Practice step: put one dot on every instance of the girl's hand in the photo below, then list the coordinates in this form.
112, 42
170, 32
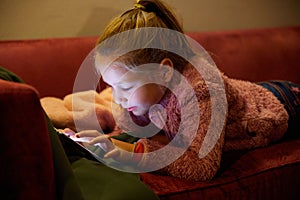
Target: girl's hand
87, 136
116, 149
68, 132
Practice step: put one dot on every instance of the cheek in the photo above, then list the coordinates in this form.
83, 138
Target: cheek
147, 94
137, 97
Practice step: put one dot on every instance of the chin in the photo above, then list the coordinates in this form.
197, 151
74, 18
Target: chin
138, 112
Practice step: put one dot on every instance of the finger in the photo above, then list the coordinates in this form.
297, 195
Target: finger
88, 133
68, 132
112, 154
100, 139
104, 142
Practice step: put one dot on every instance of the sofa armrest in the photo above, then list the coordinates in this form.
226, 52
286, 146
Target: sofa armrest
26, 160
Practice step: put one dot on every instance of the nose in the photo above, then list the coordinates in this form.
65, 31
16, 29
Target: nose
119, 97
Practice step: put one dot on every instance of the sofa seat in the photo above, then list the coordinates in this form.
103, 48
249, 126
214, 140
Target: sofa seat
264, 173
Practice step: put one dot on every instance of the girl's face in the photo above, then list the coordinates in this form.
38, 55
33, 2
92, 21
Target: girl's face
133, 90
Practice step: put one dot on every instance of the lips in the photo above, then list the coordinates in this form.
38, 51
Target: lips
131, 108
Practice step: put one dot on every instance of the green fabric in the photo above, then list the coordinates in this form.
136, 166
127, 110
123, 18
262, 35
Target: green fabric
125, 137
81, 178
67, 187
9, 76
101, 182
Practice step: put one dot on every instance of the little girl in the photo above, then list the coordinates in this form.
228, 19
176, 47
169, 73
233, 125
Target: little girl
165, 93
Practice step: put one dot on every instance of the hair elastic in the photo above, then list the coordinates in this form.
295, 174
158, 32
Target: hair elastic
139, 6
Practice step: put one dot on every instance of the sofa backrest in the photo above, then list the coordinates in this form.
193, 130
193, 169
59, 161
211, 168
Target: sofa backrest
50, 65
255, 55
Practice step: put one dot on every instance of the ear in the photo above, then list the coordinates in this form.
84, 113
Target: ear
167, 68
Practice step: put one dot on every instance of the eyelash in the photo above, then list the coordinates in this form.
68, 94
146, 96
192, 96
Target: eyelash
126, 89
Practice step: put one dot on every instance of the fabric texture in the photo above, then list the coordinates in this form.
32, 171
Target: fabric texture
288, 94
255, 118
101, 182
41, 61
26, 168
45, 158
243, 175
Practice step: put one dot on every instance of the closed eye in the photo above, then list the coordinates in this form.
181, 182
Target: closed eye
126, 88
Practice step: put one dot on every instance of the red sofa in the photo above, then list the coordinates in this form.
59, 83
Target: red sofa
49, 67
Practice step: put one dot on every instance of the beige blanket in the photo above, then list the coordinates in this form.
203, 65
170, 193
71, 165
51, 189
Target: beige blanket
81, 111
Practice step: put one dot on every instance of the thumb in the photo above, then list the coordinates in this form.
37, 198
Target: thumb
112, 154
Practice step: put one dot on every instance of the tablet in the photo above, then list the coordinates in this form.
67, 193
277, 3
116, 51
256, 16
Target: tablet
78, 147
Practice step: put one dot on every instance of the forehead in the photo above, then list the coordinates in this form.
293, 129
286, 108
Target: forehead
117, 71
115, 74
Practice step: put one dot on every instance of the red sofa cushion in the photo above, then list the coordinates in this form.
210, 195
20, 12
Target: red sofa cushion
265, 173
26, 166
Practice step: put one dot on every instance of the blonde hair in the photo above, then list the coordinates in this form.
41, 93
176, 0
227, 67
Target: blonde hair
148, 13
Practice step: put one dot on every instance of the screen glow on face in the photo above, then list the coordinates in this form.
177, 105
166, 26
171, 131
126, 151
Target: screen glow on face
133, 90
